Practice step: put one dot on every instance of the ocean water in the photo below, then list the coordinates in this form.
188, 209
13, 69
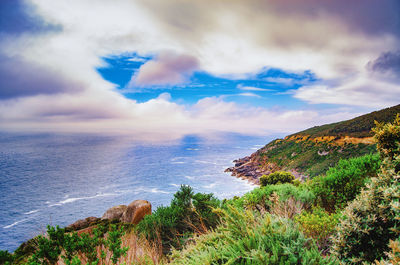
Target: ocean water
57, 179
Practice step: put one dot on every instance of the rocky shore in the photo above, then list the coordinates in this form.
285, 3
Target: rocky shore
252, 167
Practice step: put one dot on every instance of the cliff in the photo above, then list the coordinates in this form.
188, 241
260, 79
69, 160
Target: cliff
311, 152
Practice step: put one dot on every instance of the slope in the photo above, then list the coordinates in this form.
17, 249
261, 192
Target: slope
311, 152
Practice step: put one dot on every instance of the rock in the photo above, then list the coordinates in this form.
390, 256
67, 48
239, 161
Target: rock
114, 212
135, 211
83, 223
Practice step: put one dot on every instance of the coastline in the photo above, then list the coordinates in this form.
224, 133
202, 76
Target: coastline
253, 167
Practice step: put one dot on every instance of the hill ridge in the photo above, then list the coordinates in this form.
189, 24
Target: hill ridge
311, 152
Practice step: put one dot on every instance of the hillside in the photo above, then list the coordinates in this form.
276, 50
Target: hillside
311, 152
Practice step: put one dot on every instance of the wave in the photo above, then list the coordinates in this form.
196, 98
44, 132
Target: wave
205, 162
150, 190
71, 200
31, 212
177, 158
15, 223
155, 190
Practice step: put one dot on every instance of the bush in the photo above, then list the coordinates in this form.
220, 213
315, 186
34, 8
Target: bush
260, 198
6, 257
73, 248
247, 238
278, 177
344, 181
188, 213
372, 219
319, 225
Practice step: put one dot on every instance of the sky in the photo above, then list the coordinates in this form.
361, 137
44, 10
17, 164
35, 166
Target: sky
166, 69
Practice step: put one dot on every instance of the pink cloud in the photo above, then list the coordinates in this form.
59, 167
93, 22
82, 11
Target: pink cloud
167, 69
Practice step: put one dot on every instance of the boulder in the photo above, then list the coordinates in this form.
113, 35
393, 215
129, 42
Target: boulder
114, 212
83, 223
135, 211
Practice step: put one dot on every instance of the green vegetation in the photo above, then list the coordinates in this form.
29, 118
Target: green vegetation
272, 196
248, 238
310, 158
311, 152
343, 182
358, 127
372, 219
278, 177
174, 224
6, 257
73, 248
319, 225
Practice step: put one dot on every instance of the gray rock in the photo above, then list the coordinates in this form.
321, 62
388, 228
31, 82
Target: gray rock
83, 223
114, 212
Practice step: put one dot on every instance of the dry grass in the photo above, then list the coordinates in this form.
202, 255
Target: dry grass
140, 252
286, 209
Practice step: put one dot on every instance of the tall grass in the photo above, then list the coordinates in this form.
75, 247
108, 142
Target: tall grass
245, 237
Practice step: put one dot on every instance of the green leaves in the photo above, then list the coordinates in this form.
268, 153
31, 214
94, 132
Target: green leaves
247, 238
187, 214
73, 248
371, 220
279, 177
343, 182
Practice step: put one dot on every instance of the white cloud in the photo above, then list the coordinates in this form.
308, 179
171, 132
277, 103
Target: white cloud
358, 91
252, 88
249, 94
220, 38
152, 120
167, 69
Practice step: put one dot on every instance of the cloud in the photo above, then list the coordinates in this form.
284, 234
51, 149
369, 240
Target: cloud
155, 119
249, 94
251, 88
67, 94
360, 91
168, 69
386, 63
16, 17
19, 78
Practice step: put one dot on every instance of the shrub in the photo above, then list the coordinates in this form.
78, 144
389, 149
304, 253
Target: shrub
319, 225
263, 198
371, 220
6, 257
278, 177
73, 248
364, 233
247, 238
344, 181
188, 213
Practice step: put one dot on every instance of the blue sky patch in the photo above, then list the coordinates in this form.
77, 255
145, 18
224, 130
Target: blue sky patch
267, 88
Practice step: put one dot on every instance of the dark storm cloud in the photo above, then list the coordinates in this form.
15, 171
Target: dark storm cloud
386, 62
17, 17
369, 16
19, 78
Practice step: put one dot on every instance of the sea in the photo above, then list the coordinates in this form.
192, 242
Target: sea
56, 179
